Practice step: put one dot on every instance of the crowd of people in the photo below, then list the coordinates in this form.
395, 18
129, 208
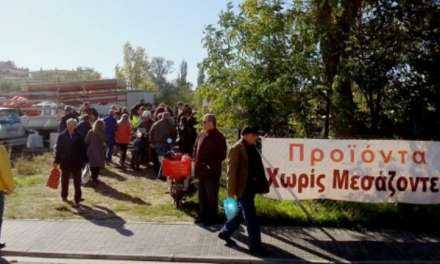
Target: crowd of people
89, 139
153, 131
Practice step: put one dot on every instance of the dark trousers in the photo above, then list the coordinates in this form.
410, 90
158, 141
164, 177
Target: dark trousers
246, 206
156, 163
2, 209
66, 174
123, 150
95, 173
208, 197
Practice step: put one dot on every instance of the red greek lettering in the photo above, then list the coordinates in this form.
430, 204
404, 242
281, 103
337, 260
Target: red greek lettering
273, 177
312, 178
380, 183
352, 153
354, 184
386, 158
292, 152
314, 158
303, 182
414, 183
424, 181
402, 155
340, 181
288, 181
319, 179
402, 184
434, 185
367, 182
390, 182
337, 155
370, 154
419, 157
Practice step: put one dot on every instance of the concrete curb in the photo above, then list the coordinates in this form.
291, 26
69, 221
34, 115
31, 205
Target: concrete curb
80, 220
194, 259
158, 258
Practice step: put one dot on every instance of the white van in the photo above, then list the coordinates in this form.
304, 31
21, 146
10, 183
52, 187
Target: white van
12, 131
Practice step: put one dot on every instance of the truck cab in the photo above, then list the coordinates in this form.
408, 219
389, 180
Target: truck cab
12, 131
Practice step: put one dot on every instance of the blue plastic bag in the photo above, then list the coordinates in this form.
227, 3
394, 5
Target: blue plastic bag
231, 207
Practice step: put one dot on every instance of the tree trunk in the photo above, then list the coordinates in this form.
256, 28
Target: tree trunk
327, 115
333, 37
324, 16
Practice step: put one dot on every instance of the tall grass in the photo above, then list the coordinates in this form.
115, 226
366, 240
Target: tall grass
26, 165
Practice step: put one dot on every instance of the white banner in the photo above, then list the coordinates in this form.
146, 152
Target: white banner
372, 171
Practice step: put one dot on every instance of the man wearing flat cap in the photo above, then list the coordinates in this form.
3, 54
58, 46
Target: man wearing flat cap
246, 178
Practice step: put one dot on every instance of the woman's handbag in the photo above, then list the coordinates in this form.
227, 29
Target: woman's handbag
54, 178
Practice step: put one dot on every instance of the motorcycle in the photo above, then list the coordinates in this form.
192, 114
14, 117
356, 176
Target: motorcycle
177, 168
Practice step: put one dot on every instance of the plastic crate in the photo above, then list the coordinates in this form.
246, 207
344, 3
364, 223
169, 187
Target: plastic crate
177, 169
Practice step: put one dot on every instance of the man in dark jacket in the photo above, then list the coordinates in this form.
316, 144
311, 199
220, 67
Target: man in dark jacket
186, 131
162, 136
209, 153
246, 178
69, 113
70, 155
163, 130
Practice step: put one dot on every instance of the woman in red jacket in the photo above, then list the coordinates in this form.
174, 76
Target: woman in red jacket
123, 137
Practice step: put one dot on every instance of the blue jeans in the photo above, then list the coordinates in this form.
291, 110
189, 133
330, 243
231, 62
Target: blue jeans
2, 209
109, 153
246, 207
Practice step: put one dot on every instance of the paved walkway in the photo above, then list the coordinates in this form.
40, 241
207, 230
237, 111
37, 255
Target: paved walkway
98, 239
